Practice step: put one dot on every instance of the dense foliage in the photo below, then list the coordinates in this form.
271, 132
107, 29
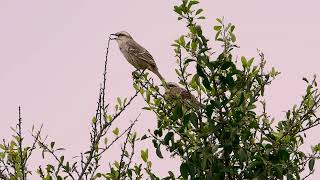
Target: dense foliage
232, 137
228, 135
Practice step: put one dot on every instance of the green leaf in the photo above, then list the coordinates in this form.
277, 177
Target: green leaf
219, 20
192, 2
2, 147
217, 35
195, 81
193, 29
284, 154
206, 83
250, 62
233, 37
311, 164
200, 71
199, 30
184, 168
178, 113
144, 137
229, 80
116, 131
194, 120
171, 174
241, 99
178, 10
226, 65
217, 28
242, 155
199, 11
201, 17
155, 143
158, 132
158, 152
188, 60
216, 104
182, 41
148, 96
109, 118
147, 108
244, 61
119, 101
194, 45
52, 144
98, 175
305, 79
168, 137
274, 72
316, 148
228, 26
94, 120
116, 164
232, 28
61, 159
144, 155
209, 110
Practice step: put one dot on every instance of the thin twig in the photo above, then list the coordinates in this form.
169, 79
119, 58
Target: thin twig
95, 138
118, 137
184, 78
104, 125
5, 167
46, 148
131, 155
125, 146
20, 148
105, 73
33, 147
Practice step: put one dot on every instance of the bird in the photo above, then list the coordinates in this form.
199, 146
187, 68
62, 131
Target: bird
135, 54
176, 94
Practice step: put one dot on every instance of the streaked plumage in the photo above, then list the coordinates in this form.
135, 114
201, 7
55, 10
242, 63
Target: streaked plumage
135, 54
176, 94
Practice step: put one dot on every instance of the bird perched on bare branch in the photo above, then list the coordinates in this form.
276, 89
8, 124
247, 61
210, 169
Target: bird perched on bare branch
176, 94
135, 54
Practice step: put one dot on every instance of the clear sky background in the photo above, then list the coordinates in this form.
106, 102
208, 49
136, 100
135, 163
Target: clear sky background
52, 56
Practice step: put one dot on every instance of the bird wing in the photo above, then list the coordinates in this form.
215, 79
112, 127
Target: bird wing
139, 52
190, 100
186, 95
180, 93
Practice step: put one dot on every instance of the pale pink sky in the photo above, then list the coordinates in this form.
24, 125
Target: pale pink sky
52, 55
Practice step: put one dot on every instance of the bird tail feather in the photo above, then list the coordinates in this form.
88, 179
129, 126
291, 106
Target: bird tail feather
160, 77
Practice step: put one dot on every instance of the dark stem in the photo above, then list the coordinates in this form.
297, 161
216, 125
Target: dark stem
46, 148
124, 147
22, 164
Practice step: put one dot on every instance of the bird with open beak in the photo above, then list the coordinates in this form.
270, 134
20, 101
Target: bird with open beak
135, 54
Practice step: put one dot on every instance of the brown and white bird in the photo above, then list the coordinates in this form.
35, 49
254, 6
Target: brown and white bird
135, 54
176, 94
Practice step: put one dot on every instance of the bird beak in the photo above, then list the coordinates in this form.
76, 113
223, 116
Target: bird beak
113, 38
